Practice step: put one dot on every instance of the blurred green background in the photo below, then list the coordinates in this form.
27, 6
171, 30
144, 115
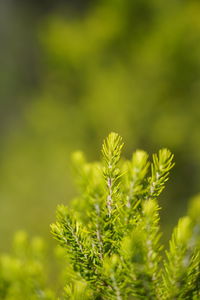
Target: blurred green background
71, 72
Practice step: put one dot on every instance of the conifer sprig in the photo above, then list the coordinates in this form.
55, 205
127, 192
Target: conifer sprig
111, 150
72, 236
181, 272
137, 171
162, 164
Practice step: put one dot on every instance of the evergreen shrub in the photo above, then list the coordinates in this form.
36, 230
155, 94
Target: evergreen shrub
111, 237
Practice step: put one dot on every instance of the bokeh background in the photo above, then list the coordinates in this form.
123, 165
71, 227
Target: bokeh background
71, 72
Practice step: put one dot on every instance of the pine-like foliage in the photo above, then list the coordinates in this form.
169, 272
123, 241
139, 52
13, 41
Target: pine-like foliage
23, 272
111, 232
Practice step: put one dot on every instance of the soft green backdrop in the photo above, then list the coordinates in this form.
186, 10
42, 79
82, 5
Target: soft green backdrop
70, 75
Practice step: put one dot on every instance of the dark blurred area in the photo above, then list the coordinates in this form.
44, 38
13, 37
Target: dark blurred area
71, 72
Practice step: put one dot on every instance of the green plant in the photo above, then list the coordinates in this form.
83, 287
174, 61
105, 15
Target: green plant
110, 238
23, 272
111, 233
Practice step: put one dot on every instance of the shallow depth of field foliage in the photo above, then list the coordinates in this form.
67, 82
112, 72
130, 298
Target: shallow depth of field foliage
70, 76
110, 237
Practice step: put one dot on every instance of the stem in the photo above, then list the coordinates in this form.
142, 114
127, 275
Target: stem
109, 198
